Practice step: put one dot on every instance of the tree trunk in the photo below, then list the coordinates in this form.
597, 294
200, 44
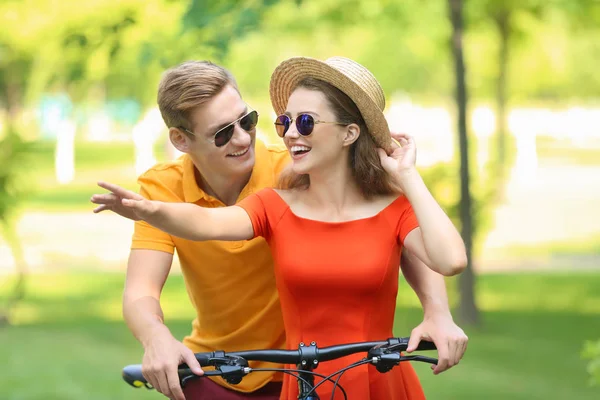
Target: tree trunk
468, 312
502, 21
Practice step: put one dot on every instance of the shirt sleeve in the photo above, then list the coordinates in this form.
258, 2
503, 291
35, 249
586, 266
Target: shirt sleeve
408, 220
145, 236
257, 211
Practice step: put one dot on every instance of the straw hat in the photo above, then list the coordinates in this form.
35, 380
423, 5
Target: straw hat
350, 77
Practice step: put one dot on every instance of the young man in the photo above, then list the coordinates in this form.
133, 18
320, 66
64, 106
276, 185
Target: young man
231, 284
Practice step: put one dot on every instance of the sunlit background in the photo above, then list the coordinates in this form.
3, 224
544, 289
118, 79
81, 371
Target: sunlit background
78, 84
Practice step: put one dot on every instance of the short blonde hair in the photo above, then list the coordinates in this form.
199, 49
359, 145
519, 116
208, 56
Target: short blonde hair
186, 87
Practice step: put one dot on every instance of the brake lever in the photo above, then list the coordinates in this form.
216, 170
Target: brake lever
384, 359
230, 368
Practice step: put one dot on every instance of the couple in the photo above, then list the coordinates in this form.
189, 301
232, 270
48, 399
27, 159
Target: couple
349, 202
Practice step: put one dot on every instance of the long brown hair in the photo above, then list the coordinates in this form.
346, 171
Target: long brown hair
364, 161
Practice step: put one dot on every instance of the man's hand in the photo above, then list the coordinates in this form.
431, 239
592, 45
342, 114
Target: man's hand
449, 339
162, 355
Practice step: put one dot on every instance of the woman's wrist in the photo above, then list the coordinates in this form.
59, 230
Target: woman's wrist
408, 179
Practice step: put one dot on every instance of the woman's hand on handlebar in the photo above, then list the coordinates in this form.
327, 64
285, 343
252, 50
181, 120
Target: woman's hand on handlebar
450, 340
162, 356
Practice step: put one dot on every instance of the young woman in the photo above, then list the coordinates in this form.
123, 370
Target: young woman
350, 201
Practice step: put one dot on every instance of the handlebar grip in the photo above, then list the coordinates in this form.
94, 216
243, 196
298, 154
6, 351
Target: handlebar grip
132, 374
426, 345
202, 360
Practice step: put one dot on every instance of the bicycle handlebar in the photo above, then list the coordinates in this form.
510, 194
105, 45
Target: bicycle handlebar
306, 354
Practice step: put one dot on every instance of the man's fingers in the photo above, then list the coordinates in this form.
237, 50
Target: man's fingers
192, 362
154, 381
175, 390
163, 385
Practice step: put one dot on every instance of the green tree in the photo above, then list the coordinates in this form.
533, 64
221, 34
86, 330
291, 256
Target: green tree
468, 311
117, 49
502, 15
14, 153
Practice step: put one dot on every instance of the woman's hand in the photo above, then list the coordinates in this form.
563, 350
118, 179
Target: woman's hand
124, 202
400, 163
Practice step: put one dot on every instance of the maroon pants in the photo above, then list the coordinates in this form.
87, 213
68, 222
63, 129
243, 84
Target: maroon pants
205, 389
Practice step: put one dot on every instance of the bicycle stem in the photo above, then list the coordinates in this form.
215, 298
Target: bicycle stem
308, 361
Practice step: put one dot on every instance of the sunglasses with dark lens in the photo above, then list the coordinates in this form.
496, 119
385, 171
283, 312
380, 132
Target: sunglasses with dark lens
305, 123
223, 136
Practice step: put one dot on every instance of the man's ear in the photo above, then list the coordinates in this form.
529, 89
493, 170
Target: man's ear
352, 134
180, 140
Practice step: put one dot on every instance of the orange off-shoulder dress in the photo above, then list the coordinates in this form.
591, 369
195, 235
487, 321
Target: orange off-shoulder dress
337, 284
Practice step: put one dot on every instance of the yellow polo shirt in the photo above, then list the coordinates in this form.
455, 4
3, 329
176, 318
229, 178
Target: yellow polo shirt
230, 284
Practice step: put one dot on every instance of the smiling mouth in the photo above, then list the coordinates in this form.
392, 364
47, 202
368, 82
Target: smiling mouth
299, 150
239, 153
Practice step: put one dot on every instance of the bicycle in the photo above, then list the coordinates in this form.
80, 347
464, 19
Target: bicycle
233, 366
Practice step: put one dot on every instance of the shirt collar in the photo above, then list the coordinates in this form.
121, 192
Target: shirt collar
262, 176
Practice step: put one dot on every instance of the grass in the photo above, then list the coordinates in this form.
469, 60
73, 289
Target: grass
112, 162
69, 342
573, 247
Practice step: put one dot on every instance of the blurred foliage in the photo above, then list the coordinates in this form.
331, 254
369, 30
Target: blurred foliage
110, 49
119, 49
14, 153
443, 182
405, 44
97, 51
591, 351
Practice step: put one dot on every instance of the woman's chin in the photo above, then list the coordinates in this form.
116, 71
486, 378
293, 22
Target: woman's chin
300, 168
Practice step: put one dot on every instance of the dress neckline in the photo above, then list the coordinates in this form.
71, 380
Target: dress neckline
358, 220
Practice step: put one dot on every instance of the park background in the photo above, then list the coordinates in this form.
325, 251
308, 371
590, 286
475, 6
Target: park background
504, 93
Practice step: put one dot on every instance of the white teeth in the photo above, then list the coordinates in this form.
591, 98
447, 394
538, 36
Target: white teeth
240, 153
299, 148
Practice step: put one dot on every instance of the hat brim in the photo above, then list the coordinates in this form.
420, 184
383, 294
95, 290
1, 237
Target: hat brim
292, 71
